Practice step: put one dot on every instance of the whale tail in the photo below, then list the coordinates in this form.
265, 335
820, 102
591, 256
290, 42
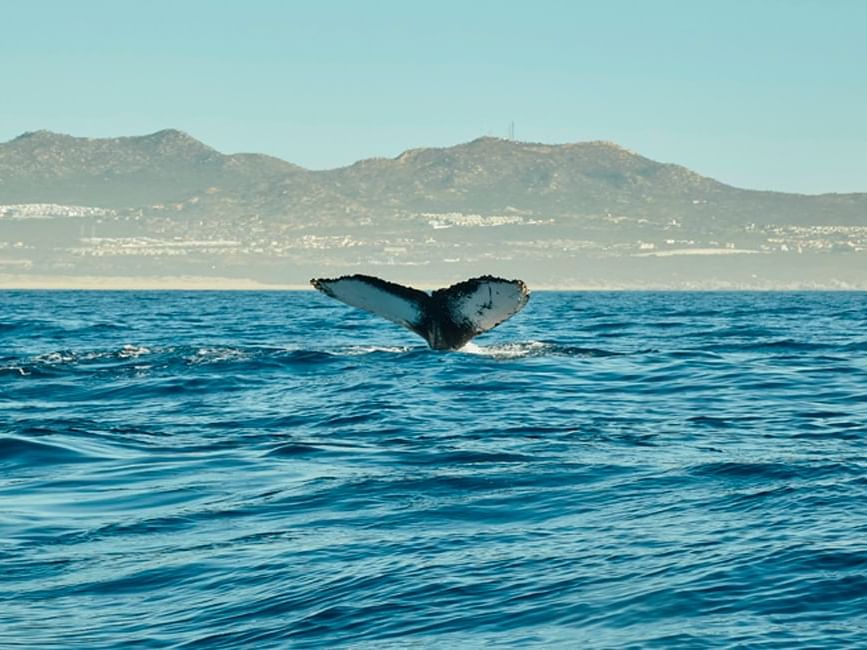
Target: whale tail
447, 319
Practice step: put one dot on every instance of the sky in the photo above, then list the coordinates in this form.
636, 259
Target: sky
762, 94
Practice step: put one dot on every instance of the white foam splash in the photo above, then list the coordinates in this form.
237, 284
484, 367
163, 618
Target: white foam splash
507, 350
21, 371
129, 351
53, 358
367, 349
216, 355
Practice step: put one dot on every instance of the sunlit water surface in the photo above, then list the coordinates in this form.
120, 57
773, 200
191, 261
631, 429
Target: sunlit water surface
277, 470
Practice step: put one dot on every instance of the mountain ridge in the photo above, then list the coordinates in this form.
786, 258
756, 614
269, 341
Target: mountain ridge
178, 135
486, 175
575, 214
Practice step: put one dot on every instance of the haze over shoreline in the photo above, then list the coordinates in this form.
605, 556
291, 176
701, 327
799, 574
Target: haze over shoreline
134, 211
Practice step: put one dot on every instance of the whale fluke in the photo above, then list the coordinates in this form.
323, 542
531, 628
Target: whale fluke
447, 318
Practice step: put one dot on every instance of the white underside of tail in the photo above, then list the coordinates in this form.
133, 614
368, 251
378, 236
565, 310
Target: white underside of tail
375, 299
491, 302
447, 319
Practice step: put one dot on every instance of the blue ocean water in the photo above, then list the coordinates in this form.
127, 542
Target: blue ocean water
260, 469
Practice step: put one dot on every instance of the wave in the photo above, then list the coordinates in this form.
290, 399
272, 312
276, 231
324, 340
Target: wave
150, 357
21, 451
248, 473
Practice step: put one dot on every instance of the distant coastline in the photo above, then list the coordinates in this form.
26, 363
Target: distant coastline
201, 283
165, 210
119, 283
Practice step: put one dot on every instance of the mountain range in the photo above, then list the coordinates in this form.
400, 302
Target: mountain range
561, 205
487, 175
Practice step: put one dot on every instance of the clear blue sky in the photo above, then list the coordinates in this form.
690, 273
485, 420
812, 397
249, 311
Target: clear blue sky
766, 94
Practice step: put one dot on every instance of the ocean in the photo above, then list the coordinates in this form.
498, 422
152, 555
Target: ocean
278, 470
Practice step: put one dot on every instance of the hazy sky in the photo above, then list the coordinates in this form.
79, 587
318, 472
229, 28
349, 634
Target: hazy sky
766, 94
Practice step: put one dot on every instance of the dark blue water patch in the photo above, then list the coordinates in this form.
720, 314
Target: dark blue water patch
271, 469
316, 452
23, 453
767, 473
465, 457
616, 326
577, 351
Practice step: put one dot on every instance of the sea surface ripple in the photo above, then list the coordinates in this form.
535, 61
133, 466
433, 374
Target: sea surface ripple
274, 469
